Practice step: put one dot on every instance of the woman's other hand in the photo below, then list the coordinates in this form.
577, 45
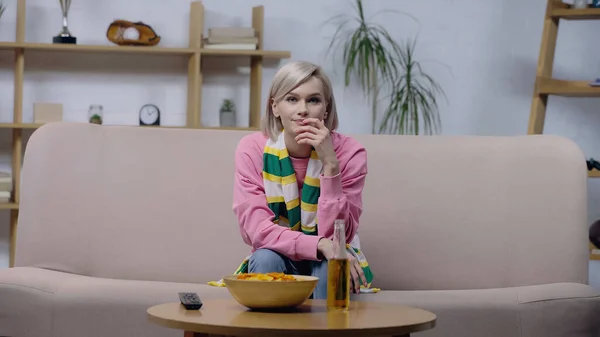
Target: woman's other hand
325, 248
356, 274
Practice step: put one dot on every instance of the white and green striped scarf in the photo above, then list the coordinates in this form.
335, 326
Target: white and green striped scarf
281, 188
299, 214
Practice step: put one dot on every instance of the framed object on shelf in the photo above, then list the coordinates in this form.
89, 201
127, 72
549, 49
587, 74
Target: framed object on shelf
47, 112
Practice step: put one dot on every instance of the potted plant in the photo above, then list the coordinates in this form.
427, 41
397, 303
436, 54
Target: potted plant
227, 113
386, 68
95, 114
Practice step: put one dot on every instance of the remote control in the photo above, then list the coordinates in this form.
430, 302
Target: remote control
191, 301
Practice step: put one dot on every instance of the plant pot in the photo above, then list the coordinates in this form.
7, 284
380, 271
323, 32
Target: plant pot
227, 119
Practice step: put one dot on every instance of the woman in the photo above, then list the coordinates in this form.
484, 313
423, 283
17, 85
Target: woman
294, 179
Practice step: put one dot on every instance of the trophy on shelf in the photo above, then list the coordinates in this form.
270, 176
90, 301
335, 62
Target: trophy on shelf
65, 35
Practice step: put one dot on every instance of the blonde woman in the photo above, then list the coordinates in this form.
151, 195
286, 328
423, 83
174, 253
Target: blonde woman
294, 179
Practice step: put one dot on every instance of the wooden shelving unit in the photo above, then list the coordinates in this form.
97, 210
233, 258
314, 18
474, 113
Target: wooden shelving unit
194, 52
545, 84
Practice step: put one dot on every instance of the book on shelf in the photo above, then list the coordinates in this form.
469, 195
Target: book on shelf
232, 39
6, 182
231, 32
240, 38
4, 197
6, 186
238, 46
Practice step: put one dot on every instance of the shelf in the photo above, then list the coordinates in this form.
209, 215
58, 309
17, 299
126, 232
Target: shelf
19, 126
595, 257
7, 46
78, 48
230, 129
108, 49
35, 126
235, 52
197, 128
576, 14
594, 174
550, 86
9, 206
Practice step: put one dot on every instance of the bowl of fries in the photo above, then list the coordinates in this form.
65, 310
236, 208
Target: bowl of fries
270, 290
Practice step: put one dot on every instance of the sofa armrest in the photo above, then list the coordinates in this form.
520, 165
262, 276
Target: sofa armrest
43, 302
563, 309
27, 296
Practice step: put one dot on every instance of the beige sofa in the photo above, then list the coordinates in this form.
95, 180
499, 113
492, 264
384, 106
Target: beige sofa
489, 233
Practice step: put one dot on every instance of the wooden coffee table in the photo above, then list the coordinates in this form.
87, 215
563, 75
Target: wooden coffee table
226, 317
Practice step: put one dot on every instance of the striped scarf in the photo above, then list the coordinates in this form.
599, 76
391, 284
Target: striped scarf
290, 210
281, 188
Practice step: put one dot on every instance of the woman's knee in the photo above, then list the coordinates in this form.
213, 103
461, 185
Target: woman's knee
319, 269
266, 261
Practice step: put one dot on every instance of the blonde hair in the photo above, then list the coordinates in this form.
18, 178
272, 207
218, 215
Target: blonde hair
288, 78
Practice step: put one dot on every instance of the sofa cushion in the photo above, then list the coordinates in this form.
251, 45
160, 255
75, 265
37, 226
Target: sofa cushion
64, 304
550, 310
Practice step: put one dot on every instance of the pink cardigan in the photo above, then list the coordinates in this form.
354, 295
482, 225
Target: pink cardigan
341, 197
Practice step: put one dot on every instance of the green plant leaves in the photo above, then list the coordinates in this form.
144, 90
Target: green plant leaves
227, 105
2, 8
365, 48
379, 64
413, 100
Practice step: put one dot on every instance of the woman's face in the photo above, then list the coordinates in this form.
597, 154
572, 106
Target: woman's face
306, 101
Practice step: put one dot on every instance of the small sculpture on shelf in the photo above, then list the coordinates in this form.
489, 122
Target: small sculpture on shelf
227, 114
580, 4
65, 35
128, 33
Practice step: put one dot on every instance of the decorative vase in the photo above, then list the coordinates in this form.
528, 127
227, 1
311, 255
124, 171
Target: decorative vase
95, 114
227, 114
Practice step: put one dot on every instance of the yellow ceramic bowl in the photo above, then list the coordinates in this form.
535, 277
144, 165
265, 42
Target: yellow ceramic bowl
256, 294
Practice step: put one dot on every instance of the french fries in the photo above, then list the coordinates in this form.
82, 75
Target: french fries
266, 277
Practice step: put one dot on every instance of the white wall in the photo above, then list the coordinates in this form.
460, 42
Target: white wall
490, 47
